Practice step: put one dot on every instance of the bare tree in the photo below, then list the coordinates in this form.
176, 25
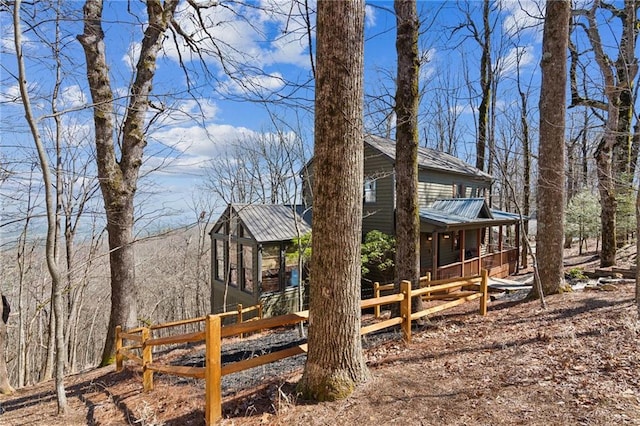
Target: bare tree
615, 154
406, 167
551, 178
335, 361
52, 228
482, 36
119, 176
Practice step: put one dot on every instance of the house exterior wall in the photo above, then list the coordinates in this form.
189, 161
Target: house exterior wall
434, 185
379, 215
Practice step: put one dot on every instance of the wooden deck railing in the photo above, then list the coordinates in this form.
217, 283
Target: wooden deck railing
460, 290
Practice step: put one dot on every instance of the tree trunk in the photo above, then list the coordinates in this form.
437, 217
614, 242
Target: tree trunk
5, 387
335, 361
485, 85
407, 96
52, 223
608, 202
638, 251
551, 190
119, 177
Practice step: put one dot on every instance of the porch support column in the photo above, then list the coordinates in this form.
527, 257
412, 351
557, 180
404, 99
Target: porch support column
478, 248
500, 245
461, 243
517, 225
435, 243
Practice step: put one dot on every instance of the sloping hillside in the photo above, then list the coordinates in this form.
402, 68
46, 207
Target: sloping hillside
574, 363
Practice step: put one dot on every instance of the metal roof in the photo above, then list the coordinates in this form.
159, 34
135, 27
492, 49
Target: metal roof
428, 158
461, 212
267, 222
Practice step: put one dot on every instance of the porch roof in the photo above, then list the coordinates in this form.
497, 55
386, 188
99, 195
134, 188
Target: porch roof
459, 213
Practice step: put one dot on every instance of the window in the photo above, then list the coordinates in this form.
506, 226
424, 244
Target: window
247, 267
369, 190
270, 268
458, 190
219, 265
233, 264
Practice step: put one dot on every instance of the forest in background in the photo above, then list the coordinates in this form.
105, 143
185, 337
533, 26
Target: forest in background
468, 114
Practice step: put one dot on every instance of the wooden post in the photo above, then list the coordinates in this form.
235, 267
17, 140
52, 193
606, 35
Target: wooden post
484, 288
479, 249
435, 246
147, 373
119, 357
426, 278
376, 294
212, 374
405, 310
239, 317
500, 247
462, 243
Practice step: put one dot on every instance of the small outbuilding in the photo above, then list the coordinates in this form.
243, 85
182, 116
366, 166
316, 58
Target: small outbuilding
253, 259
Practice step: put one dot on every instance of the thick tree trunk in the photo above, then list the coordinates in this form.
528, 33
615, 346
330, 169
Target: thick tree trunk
551, 189
335, 361
608, 203
119, 177
407, 96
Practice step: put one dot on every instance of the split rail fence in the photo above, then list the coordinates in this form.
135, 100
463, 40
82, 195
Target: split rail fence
452, 291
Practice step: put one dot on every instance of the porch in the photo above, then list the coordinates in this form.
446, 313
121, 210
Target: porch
460, 237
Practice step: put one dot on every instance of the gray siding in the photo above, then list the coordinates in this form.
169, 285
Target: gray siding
379, 215
435, 185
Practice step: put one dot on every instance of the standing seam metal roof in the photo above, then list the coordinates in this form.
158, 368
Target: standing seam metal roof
429, 158
465, 211
270, 222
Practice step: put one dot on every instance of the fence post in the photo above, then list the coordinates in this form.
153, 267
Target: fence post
239, 317
147, 373
405, 310
212, 374
427, 280
119, 357
376, 294
484, 288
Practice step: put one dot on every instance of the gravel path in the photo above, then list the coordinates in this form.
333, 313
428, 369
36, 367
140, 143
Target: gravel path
262, 344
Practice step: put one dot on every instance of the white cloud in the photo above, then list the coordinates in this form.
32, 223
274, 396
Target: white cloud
370, 16
259, 84
201, 141
10, 94
523, 16
130, 58
509, 62
273, 33
7, 40
73, 97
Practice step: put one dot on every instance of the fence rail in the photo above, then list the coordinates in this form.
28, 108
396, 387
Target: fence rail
459, 290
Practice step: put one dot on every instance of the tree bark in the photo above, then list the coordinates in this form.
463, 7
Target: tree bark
614, 155
5, 386
551, 163
335, 361
119, 177
406, 108
485, 85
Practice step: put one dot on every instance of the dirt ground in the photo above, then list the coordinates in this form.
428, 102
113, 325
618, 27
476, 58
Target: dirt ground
574, 363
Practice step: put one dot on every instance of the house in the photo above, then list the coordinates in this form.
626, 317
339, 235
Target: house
459, 233
249, 262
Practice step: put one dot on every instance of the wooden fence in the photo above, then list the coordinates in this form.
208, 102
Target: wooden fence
453, 292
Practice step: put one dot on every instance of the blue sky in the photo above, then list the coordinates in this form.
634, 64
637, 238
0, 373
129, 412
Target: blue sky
265, 46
